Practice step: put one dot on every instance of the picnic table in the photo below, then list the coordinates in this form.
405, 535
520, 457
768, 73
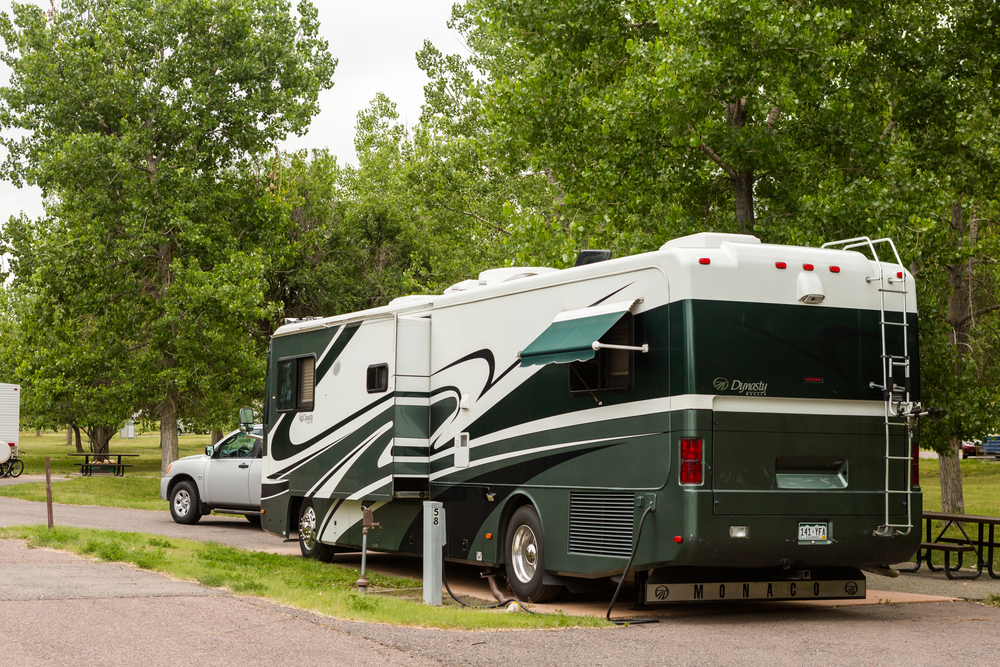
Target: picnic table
103, 461
959, 545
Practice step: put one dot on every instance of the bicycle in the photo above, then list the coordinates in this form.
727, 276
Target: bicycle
13, 467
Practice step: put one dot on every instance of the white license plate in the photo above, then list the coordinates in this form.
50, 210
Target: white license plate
812, 531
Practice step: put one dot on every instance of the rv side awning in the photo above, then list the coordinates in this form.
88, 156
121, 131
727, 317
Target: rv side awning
572, 334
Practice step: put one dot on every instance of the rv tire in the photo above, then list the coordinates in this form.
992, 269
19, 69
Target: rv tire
253, 518
308, 526
185, 505
524, 557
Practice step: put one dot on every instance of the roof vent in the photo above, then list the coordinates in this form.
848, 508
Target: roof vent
592, 257
497, 276
709, 240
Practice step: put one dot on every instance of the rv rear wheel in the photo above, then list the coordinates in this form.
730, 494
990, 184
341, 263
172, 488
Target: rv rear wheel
309, 545
524, 556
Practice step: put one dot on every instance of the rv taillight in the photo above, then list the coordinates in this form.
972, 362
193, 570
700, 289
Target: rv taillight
807, 267
899, 274
691, 460
834, 269
704, 260
915, 464
780, 265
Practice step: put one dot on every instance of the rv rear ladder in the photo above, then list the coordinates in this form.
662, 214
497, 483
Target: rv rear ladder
897, 399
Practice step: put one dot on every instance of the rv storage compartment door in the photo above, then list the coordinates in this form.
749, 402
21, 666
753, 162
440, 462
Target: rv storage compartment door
410, 447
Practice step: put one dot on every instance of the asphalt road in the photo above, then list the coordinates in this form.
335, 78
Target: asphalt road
58, 609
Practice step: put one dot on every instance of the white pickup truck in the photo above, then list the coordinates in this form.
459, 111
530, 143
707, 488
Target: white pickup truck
226, 478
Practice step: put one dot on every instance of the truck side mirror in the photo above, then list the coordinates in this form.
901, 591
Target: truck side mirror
246, 419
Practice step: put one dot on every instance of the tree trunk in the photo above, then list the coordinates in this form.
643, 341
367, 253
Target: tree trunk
216, 435
38, 432
79, 443
959, 305
69, 436
952, 498
168, 432
99, 437
742, 180
743, 196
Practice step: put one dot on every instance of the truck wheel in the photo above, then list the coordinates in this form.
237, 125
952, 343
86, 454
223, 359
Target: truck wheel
308, 532
184, 503
524, 556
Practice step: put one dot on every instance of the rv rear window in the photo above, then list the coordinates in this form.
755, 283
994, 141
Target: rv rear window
296, 384
378, 378
610, 371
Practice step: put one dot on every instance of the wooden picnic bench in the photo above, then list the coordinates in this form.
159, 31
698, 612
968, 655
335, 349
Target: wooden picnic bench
959, 545
103, 463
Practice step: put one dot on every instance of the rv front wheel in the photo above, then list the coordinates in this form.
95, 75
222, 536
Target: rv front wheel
524, 557
309, 545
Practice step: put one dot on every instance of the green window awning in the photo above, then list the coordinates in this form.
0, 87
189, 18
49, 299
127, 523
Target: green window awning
572, 334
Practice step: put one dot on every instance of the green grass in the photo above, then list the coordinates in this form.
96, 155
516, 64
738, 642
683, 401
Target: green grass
35, 448
980, 485
141, 493
298, 582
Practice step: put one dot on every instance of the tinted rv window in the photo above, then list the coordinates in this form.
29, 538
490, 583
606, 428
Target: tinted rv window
286, 385
296, 384
378, 378
610, 371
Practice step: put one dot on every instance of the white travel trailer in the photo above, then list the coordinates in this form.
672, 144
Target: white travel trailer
751, 404
10, 420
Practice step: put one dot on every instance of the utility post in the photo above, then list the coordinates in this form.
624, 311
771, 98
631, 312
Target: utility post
366, 523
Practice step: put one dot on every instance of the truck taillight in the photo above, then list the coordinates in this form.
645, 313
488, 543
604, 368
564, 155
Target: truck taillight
915, 464
691, 460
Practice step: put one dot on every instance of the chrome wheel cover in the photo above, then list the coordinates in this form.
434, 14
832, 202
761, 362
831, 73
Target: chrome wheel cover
307, 528
524, 554
182, 503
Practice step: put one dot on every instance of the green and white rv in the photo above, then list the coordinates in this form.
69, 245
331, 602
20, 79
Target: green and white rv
735, 415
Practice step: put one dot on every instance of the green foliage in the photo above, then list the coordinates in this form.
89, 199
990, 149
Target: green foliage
147, 125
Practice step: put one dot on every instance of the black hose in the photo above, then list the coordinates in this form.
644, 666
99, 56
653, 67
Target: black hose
621, 582
454, 597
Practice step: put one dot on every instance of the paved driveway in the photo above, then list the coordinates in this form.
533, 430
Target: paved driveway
52, 605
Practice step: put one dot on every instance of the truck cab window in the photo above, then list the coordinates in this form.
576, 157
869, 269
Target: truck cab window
610, 371
239, 446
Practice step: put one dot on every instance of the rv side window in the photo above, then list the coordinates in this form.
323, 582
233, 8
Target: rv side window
610, 371
296, 384
378, 378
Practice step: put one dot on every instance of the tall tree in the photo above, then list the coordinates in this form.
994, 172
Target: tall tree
148, 123
674, 115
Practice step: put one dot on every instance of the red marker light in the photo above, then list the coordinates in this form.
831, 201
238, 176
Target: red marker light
780, 265
815, 380
807, 267
678, 539
704, 260
899, 274
834, 269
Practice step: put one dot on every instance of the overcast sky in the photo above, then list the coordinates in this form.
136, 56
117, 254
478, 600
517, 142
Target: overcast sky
375, 42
